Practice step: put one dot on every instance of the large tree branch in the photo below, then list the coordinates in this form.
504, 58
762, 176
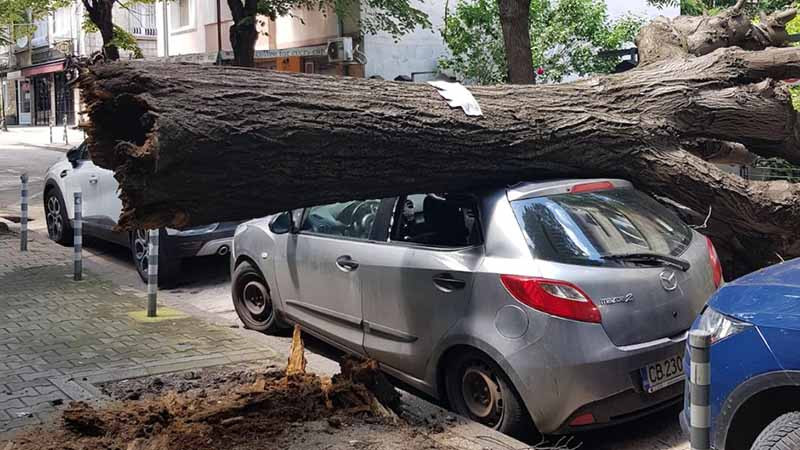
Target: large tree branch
197, 144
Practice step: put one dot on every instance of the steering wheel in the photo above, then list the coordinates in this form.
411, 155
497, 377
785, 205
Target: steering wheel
363, 216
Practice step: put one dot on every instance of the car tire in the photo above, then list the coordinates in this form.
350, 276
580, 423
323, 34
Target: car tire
168, 268
59, 228
477, 388
253, 301
782, 434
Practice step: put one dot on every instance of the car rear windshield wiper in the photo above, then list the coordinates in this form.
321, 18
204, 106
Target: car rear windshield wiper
678, 263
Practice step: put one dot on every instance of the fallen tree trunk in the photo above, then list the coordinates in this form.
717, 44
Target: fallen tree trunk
195, 144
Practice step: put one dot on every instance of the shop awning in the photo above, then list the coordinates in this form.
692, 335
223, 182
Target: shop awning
42, 69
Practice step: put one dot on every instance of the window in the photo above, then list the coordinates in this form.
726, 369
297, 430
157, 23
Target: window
353, 219
584, 228
39, 37
62, 26
438, 220
183, 14
142, 19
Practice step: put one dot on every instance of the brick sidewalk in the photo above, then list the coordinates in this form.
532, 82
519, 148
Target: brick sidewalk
58, 337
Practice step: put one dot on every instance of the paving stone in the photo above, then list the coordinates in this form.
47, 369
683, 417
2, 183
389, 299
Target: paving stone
53, 329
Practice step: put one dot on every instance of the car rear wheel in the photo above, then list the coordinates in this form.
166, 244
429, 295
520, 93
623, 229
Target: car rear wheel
477, 388
58, 226
782, 434
252, 300
167, 267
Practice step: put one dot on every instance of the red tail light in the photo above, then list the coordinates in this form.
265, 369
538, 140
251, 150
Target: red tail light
716, 266
558, 298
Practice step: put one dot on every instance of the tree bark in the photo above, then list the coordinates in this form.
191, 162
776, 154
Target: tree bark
195, 144
515, 23
243, 33
666, 38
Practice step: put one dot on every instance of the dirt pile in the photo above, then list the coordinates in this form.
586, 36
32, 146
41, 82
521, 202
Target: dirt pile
257, 411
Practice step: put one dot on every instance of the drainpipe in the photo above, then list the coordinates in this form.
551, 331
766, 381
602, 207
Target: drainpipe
219, 35
166, 29
340, 32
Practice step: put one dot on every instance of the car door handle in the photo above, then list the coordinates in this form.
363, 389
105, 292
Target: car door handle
346, 263
447, 283
93, 180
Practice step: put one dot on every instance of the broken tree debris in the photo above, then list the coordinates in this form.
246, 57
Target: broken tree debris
252, 410
194, 144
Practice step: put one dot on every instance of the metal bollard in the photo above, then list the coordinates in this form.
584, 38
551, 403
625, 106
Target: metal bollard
700, 389
66, 133
78, 237
23, 217
152, 273
50, 124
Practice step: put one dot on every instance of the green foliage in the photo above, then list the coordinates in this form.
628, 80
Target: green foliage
396, 17
566, 36
14, 19
122, 39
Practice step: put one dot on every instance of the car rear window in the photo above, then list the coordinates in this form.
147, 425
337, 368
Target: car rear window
583, 228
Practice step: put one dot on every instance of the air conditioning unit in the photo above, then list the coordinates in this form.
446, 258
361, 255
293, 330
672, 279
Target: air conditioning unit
340, 50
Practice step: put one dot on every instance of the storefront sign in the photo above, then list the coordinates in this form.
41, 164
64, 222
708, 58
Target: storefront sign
44, 68
15, 75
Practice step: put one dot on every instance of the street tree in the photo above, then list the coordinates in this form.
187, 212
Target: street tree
397, 17
567, 37
99, 19
193, 144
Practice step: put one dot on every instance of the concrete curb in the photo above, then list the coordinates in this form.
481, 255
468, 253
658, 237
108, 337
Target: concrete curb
458, 432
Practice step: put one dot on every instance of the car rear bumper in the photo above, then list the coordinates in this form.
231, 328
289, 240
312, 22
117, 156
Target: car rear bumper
593, 377
217, 242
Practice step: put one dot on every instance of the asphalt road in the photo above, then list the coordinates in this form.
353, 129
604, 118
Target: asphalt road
204, 290
16, 160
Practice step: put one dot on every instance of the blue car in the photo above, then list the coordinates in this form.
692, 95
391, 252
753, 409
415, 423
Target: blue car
755, 361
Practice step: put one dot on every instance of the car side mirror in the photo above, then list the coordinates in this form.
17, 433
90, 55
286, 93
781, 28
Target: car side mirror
73, 156
284, 223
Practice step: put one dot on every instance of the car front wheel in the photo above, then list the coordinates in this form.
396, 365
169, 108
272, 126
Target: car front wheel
478, 389
252, 300
58, 226
782, 434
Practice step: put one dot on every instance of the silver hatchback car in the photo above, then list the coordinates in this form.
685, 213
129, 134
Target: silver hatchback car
564, 303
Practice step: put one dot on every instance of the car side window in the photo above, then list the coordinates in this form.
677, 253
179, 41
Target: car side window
353, 219
437, 220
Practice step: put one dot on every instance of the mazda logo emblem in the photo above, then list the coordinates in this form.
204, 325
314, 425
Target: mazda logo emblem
668, 280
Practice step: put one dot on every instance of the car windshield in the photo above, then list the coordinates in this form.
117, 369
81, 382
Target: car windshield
587, 228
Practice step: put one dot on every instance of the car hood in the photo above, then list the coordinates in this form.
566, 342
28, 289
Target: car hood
61, 164
769, 297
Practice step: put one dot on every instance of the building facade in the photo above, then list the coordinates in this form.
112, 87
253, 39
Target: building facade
294, 43
33, 83
196, 30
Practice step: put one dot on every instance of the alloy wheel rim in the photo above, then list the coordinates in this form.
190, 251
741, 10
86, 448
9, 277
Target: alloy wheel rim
256, 299
140, 250
481, 394
55, 226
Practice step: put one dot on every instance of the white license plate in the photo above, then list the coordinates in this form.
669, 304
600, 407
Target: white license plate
661, 374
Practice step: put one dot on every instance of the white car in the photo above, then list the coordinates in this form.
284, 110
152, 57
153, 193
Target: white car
101, 209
